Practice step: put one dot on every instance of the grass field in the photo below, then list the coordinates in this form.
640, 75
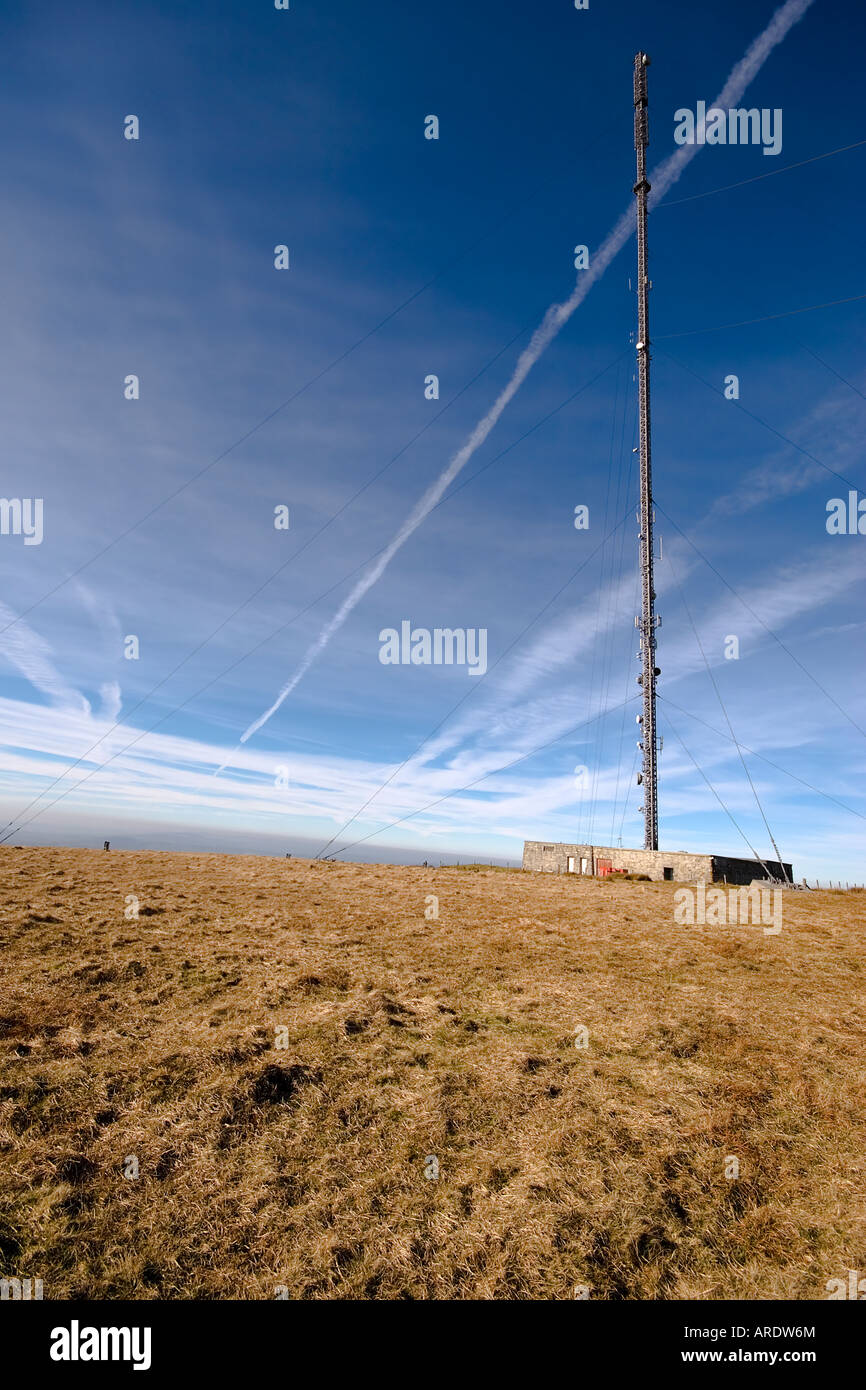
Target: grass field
281, 1049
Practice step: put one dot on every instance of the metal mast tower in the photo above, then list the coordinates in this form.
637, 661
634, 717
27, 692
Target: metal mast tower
647, 623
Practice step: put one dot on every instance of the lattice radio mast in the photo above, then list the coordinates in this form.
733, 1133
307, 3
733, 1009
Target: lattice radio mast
647, 623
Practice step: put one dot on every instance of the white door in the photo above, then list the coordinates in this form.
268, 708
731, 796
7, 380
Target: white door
571, 864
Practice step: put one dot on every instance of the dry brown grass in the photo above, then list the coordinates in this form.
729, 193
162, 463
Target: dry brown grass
304, 1167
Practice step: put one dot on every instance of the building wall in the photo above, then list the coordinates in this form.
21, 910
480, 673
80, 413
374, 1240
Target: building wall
745, 870
687, 868
542, 856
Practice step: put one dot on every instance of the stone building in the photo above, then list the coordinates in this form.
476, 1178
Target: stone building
541, 857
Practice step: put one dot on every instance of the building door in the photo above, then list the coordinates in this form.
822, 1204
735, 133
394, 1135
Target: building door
668, 873
571, 863
584, 866
603, 867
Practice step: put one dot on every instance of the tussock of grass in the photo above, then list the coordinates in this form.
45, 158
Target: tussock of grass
408, 1040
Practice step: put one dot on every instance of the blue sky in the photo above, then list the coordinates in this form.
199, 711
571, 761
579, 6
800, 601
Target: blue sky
156, 257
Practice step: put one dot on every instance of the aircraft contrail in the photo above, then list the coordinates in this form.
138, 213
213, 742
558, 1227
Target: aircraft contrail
662, 177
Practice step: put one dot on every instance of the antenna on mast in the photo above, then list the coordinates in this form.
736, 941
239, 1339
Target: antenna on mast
647, 623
